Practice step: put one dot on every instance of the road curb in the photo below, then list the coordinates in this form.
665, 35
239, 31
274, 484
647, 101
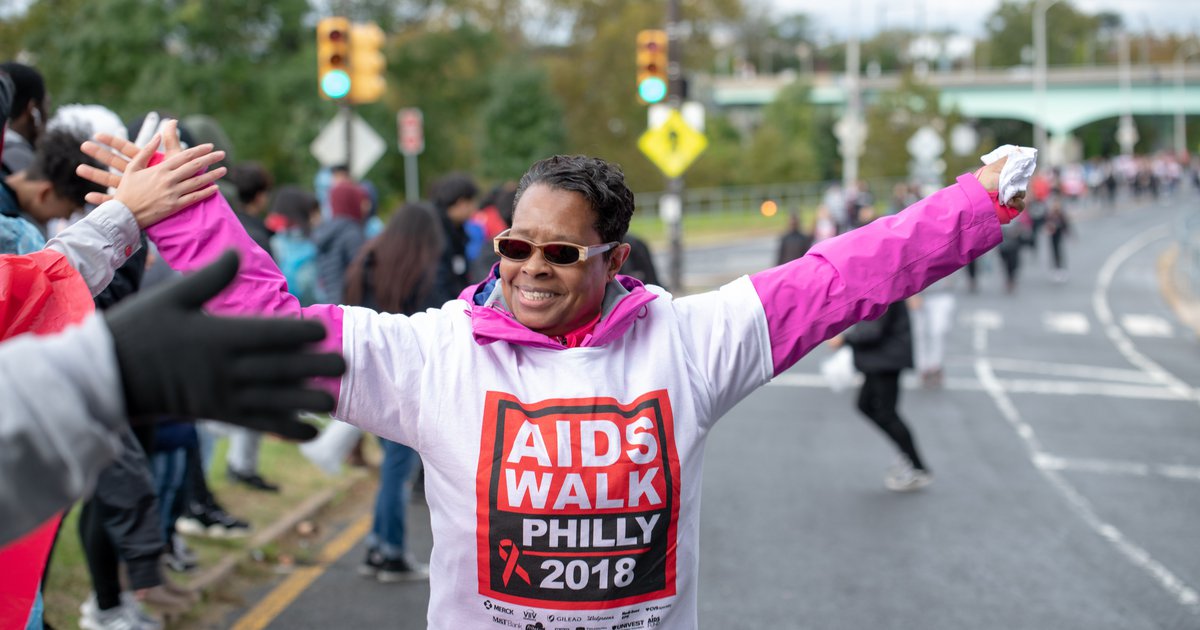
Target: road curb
1178, 296
209, 578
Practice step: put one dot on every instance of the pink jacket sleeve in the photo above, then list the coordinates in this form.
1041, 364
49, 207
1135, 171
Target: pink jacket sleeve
856, 276
196, 235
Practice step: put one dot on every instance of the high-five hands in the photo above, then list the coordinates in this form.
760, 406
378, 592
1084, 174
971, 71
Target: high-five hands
152, 193
176, 360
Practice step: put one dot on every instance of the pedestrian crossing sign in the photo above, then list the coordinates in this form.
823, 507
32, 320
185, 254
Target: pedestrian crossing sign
673, 145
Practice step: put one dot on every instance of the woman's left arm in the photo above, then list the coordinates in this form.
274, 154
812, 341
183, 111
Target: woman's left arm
856, 276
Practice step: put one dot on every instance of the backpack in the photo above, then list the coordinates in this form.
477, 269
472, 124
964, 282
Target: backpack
297, 259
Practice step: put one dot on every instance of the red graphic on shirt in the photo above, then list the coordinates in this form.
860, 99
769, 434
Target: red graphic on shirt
578, 501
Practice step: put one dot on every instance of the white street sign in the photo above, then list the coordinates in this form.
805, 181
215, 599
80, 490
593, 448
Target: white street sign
851, 133
329, 147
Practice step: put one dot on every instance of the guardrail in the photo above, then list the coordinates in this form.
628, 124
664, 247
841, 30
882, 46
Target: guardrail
748, 199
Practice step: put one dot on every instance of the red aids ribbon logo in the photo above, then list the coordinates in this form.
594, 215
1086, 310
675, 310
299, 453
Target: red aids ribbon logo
511, 561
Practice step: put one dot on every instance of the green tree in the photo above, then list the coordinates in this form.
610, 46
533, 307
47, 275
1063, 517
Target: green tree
782, 149
894, 118
522, 122
1072, 35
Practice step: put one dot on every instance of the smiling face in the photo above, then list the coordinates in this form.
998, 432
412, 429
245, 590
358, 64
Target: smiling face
552, 299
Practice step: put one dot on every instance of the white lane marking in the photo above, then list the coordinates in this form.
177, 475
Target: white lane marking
1139, 557
1072, 370
1080, 388
1021, 386
1104, 314
1147, 326
983, 317
1115, 467
1066, 323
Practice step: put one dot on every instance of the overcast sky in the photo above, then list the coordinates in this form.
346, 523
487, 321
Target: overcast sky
967, 16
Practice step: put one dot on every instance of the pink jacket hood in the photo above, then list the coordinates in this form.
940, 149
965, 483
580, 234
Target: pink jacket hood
624, 302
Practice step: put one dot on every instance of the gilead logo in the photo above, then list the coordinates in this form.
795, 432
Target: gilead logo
578, 501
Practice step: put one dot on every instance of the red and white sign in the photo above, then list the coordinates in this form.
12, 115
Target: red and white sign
411, 125
578, 501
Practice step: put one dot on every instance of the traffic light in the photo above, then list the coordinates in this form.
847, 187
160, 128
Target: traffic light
333, 57
368, 81
652, 66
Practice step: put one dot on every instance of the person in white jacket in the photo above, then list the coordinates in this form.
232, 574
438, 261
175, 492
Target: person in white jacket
66, 396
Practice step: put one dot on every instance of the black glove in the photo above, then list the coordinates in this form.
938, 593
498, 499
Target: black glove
176, 360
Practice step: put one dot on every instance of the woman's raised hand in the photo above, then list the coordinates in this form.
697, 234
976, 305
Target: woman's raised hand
989, 176
155, 192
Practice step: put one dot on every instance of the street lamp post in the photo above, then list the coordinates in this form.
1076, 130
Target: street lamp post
1039, 72
1187, 50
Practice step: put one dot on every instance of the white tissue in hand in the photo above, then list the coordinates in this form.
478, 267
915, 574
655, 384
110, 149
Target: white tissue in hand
1017, 171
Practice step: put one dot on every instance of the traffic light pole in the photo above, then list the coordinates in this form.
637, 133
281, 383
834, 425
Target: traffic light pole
675, 184
348, 116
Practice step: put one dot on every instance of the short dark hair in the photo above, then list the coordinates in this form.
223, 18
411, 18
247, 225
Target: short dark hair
250, 179
54, 159
450, 189
29, 86
601, 183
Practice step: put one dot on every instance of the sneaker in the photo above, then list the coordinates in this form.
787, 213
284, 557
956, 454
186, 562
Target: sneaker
390, 570
122, 617
252, 480
907, 479
177, 563
371, 564
180, 549
135, 609
402, 570
211, 521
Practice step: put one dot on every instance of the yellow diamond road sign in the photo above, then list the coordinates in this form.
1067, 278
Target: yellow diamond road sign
673, 145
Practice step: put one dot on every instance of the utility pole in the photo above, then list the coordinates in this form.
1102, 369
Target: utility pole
675, 184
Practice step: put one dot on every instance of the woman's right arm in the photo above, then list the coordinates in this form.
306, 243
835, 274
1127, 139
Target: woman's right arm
196, 235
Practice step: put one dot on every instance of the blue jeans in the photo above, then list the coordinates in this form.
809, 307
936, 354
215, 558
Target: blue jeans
391, 502
169, 469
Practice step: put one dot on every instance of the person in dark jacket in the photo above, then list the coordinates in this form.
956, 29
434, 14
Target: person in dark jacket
394, 273
882, 349
454, 198
640, 263
794, 243
339, 239
253, 184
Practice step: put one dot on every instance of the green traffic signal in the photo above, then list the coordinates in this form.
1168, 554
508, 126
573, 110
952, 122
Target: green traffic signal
652, 89
335, 84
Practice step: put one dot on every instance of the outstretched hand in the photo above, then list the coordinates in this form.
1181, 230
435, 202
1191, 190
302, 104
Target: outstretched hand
152, 193
989, 176
176, 360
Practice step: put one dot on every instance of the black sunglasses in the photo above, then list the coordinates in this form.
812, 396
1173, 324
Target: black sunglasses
561, 254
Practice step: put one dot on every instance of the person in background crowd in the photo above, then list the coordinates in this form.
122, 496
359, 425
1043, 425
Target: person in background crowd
1015, 237
640, 264
253, 185
882, 349
502, 209
339, 239
293, 214
27, 117
1057, 227
48, 188
824, 227
794, 243
932, 312
394, 273
454, 197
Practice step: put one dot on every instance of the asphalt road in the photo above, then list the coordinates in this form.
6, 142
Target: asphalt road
1066, 450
